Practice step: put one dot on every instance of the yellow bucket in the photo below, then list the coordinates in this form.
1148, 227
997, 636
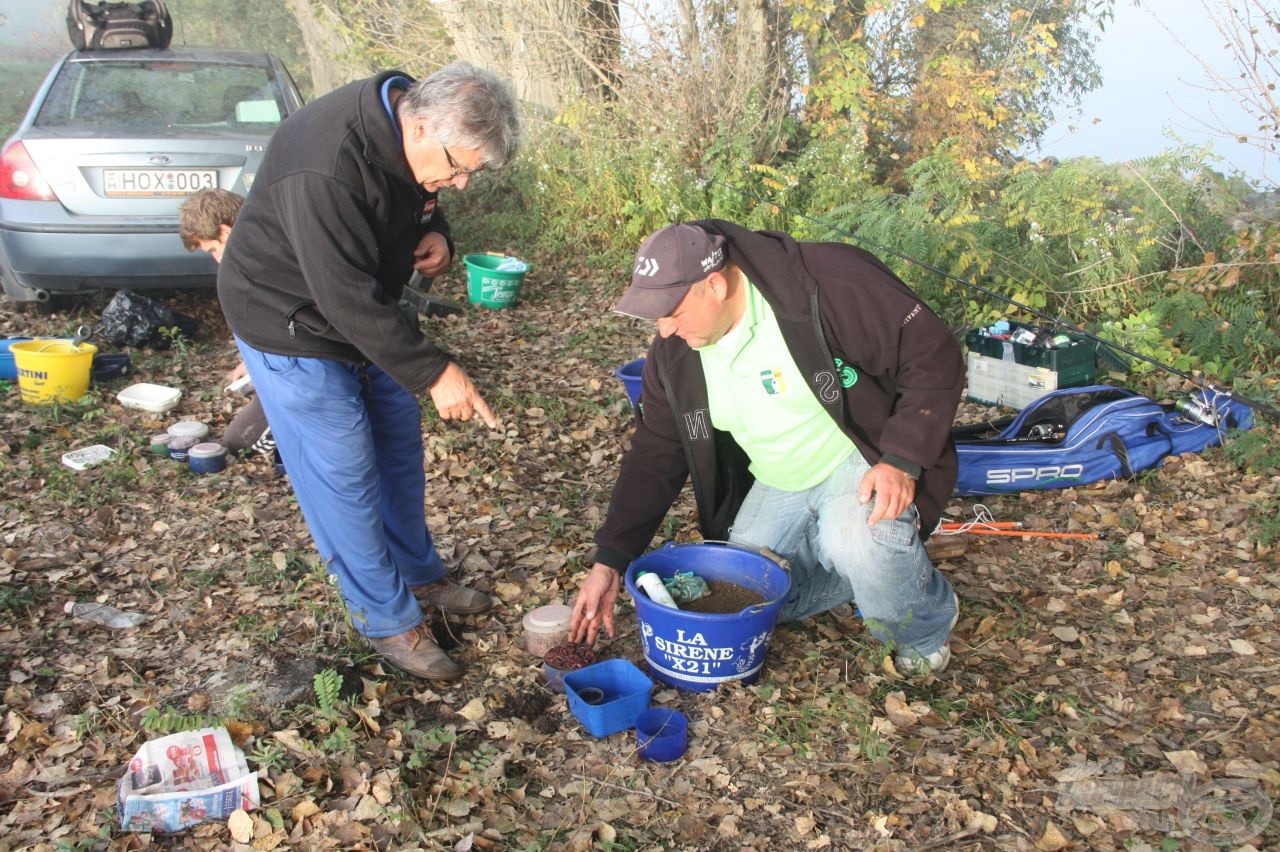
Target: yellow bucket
52, 370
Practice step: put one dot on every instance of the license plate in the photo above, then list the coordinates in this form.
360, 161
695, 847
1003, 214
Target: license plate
152, 182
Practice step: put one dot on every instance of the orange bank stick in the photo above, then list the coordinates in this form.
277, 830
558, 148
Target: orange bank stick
1034, 533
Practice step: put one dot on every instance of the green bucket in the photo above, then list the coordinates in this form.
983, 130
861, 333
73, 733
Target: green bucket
489, 286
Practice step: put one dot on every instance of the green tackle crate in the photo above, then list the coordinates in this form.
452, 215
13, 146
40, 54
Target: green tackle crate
1002, 372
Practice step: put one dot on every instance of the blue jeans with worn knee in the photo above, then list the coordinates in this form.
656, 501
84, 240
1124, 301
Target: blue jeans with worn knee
835, 557
351, 440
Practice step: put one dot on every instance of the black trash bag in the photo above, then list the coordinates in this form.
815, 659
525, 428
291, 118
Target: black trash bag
133, 320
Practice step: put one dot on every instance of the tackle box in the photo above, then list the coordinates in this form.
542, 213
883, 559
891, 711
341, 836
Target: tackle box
1004, 372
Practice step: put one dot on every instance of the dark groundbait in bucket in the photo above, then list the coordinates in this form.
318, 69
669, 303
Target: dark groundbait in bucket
697, 651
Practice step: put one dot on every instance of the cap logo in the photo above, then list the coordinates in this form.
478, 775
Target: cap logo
646, 266
713, 261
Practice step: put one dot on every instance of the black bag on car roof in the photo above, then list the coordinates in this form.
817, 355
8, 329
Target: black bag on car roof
107, 25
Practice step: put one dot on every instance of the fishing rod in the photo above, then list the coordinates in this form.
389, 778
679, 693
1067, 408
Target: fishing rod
1256, 405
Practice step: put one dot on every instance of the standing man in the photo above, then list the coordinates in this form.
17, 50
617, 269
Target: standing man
342, 211
810, 395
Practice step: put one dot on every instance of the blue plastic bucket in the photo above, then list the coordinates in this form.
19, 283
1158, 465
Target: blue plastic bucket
629, 375
698, 651
8, 369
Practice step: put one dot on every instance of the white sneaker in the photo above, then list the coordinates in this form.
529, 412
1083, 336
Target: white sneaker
914, 663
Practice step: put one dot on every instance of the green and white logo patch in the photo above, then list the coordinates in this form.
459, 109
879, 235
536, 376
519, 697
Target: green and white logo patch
773, 382
848, 375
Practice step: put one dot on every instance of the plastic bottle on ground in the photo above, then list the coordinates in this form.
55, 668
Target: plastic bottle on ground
107, 616
655, 589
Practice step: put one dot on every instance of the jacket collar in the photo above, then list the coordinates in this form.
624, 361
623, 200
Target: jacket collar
379, 130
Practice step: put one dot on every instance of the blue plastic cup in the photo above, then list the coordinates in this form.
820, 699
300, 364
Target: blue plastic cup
630, 376
662, 734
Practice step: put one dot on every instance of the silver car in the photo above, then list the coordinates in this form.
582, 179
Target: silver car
114, 140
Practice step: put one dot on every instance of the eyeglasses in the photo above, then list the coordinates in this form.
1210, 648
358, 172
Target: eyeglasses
456, 170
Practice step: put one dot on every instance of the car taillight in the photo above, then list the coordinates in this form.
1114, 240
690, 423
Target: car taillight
19, 177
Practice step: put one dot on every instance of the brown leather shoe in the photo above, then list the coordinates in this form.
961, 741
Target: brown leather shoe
415, 652
452, 597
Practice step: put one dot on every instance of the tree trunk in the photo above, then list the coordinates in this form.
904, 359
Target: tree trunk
690, 35
326, 43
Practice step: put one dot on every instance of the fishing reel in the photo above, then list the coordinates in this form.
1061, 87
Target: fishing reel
1195, 410
1043, 431
1047, 430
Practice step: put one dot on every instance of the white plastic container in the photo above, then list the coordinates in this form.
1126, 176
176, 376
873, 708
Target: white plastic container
148, 397
546, 627
653, 586
189, 429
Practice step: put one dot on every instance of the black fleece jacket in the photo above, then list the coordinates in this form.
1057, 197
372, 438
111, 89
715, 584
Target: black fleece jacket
323, 246
883, 365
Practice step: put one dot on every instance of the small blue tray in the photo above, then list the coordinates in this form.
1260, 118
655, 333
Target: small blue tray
624, 695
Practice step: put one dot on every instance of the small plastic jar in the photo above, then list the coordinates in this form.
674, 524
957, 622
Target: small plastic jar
189, 429
562, 659
160, 443
546, 627
207, 457
180, 448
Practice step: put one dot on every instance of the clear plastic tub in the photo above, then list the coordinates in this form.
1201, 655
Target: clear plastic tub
546, 627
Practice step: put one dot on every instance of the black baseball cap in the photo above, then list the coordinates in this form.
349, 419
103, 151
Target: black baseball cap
670, 262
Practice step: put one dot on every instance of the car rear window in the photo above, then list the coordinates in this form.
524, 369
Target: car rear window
160, 96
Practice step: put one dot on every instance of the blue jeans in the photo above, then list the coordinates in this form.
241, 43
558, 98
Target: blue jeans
836, 557
351, 439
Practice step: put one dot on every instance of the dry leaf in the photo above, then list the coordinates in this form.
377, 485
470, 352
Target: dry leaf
983, 822
1052, 839
304, 809
367, 720
899, 713
1187, 762
1243, 647
1066, 634
240, 824
366, 808
457, 807
473, 711
294, 742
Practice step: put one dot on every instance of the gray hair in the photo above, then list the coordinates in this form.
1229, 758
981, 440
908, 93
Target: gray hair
468, 107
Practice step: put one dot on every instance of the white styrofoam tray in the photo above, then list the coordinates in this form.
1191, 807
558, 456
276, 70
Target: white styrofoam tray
149, 397
87, 457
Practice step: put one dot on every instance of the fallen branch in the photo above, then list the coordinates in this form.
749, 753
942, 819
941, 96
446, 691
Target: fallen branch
949, 840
